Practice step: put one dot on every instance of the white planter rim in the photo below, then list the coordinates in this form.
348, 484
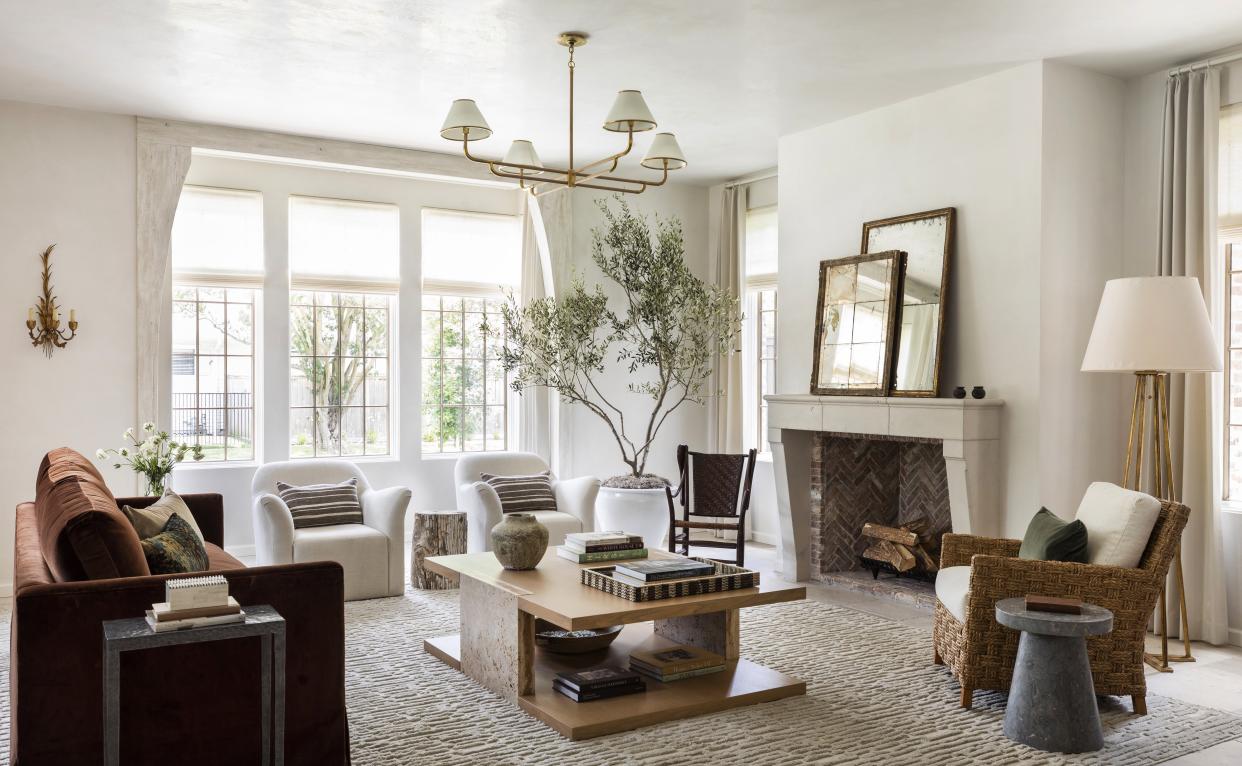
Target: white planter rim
631, 489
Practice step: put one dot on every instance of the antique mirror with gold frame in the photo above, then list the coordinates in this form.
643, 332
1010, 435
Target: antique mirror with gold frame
855, 324
927, 240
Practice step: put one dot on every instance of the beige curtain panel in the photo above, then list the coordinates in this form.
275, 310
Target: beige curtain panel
1188, 224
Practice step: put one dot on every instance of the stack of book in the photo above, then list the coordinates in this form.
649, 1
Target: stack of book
660, 570
676, 663
590, 547
598, 683
194, 602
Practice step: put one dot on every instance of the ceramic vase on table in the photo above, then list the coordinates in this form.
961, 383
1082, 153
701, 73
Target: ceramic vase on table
519, 541
636, 511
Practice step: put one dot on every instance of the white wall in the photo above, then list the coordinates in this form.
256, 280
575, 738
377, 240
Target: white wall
975, 147
592, 450
66, 177
1082, 421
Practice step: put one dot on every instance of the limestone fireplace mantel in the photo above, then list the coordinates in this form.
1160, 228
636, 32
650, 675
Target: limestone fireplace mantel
968, 429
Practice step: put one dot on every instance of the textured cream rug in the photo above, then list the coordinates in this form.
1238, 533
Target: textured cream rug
873, 697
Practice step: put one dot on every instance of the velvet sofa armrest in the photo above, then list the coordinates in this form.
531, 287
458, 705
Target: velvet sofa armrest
957, 550
207, 507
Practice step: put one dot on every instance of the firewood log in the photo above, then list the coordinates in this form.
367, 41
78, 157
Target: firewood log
891, 534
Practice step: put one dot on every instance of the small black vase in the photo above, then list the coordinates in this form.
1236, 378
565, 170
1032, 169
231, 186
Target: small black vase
978, 392
959, 392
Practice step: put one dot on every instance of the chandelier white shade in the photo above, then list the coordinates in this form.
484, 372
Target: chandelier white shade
664, 153
629, 112
629, 115
463, 116
522, 152
1152, 324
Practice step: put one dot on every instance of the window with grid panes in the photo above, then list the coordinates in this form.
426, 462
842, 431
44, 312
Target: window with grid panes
466, 402
344, 267
217, 259
1229, 240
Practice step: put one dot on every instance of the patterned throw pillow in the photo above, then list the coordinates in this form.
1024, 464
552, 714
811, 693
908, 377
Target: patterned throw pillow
175, 550
322, 505
523, 494
150, 521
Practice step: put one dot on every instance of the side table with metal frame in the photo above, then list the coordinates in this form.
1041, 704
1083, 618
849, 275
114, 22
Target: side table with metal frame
134, 633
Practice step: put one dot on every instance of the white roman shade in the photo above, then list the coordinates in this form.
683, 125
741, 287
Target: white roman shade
344, 245
468, 253
217, 237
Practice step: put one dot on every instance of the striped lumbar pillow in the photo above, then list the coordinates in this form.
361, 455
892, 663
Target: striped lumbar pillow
321, 505
523, 494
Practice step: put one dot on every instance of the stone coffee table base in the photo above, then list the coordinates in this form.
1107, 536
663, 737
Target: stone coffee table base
1052, 703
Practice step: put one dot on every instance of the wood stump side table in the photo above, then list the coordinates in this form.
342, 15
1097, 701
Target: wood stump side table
1052, 703
436, 533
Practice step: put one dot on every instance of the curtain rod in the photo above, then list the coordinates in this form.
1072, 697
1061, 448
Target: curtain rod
762, 175
1208, 62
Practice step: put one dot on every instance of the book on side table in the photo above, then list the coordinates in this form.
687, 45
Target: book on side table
194, 602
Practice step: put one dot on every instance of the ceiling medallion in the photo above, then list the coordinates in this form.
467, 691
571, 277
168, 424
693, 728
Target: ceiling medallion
629, 115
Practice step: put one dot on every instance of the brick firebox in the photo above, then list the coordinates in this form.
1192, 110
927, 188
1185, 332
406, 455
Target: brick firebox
859, 478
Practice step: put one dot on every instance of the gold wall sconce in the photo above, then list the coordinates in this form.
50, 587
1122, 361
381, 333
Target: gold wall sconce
43, 319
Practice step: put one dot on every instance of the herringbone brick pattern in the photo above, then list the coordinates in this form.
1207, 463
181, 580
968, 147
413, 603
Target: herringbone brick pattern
856, 479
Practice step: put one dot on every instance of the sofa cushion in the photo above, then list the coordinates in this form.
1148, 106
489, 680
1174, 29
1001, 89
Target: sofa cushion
219, 560
1119, 522
559, 524
151, 520
322, 505
361, 551
1050, 538
953, 590
82, 533
175, 550
524, 493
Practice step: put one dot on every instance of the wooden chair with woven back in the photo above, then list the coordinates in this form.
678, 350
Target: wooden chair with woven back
710, 486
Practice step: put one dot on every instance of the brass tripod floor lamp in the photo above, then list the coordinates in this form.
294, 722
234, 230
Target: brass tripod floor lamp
1154, 326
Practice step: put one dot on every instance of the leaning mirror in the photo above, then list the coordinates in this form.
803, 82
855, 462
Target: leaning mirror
927, 239
855, 322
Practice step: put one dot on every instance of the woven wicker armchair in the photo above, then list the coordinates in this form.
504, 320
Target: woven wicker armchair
981, 653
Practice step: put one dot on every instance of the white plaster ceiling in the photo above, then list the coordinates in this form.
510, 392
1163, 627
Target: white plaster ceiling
727, 76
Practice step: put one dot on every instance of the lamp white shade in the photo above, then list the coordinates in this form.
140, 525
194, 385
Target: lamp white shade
1156, 324
463, 114
629, 108
664, 149
522, 152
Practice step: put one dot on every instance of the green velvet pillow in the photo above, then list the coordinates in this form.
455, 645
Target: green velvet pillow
1051, 538
176, 549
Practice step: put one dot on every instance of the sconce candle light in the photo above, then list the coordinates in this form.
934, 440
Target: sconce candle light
43, 319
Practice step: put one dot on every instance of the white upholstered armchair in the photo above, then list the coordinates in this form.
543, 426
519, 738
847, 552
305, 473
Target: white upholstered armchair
575, 498
371, 553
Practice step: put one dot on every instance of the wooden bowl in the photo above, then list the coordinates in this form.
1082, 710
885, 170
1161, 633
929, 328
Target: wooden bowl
560, 641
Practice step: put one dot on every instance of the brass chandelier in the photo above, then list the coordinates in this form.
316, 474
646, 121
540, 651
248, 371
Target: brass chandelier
629, 115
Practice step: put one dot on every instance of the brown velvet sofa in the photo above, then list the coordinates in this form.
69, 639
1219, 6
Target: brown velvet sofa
188, 705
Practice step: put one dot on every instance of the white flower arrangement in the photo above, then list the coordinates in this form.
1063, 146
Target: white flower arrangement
154, 456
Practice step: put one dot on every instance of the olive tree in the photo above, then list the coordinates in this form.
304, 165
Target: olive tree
667, 333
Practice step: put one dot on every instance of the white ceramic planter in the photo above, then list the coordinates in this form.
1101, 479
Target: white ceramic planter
637, 511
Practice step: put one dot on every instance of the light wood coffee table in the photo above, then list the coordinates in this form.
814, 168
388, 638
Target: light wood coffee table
496, 647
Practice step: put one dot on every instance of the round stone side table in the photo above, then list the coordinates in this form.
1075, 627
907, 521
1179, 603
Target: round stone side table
436, 533
1052, 703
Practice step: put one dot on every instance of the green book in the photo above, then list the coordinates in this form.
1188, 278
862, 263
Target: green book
583, 558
